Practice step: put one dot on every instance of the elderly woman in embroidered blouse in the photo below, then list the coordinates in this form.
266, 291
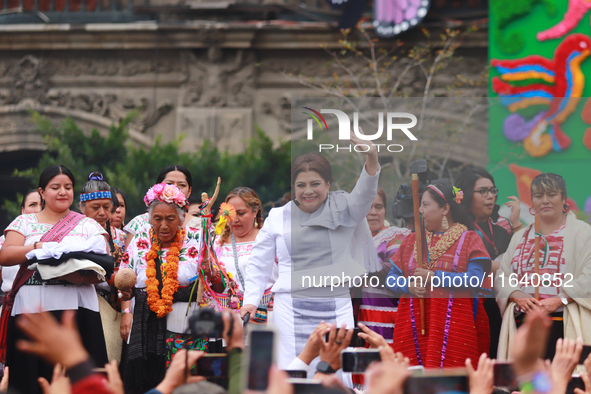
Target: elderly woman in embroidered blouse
55, 226
309, 236
565, 269
165, 261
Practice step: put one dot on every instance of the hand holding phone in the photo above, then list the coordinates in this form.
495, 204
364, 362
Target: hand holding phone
260, 357
212, 365
356, 340
374, 339
177, 372
330, 351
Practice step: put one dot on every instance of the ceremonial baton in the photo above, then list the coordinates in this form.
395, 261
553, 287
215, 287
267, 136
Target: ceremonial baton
418, 240
537, 253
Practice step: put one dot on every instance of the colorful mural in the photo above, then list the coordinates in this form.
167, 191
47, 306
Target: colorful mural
392, 17
540, 116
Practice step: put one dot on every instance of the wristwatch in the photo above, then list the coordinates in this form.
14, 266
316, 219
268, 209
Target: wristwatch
325, 368
563, 299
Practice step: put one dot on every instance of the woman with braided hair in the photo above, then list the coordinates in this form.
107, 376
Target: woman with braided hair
96, 202
456, 326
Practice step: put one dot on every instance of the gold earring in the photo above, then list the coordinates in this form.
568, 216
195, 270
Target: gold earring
444, 223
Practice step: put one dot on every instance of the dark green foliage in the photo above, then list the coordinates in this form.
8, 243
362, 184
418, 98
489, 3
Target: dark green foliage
261, 166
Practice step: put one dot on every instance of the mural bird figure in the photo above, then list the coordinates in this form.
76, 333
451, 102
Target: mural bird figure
535, 80
575, 12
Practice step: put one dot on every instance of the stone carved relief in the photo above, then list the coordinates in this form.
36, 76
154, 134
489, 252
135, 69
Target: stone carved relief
93, 64
220, 80
281, 110
112, 106
30, 80
227, 128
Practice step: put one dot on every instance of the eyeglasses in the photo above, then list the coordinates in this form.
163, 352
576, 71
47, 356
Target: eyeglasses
484, 191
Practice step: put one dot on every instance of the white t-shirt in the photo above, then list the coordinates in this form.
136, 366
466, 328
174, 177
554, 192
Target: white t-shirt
32, 298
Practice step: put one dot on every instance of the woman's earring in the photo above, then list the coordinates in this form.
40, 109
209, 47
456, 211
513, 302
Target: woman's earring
565, 207
256, 223
444, 223
531, 213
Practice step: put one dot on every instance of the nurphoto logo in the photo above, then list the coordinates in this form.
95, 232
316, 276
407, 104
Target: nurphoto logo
392, 123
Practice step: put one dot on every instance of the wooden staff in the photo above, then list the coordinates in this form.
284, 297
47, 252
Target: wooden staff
418, 240
537, 253
207, 211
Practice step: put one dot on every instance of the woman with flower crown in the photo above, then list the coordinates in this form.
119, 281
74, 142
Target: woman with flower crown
165, 261
456, 261
173, 174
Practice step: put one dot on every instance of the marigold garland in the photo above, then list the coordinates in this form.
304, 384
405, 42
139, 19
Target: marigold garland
170, 283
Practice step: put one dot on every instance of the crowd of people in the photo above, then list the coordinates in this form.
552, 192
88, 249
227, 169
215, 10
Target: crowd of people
458, 292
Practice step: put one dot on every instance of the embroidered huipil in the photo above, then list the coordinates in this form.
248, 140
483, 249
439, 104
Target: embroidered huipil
225, 255
552, 264
456, 325
53, 297
135, 258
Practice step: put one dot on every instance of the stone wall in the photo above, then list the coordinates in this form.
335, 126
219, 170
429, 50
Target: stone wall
203, 81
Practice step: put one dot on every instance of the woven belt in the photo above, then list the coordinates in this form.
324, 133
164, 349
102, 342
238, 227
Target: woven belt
35, 280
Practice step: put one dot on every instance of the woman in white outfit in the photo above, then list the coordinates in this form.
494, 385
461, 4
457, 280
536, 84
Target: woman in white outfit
319, 234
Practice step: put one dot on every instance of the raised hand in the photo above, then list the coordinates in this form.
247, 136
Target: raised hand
529, 342
370, 150
568, 352
585, 377
175, 375
481, 380
56, 343
374, 339
312, 346
515, 206
331, 351
60, 383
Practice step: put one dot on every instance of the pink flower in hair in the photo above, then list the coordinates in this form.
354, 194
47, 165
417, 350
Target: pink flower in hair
151, 195
166, 193
459, 195
158, 188
169, 192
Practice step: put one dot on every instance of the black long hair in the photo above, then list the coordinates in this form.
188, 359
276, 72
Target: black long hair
51, 172
458, 213
466, 182
175, 167
115, 191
